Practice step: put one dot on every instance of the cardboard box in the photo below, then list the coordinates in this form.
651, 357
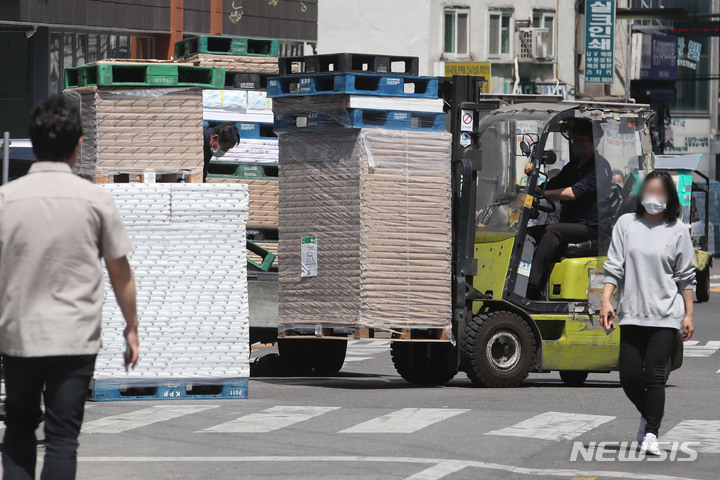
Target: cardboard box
365, 229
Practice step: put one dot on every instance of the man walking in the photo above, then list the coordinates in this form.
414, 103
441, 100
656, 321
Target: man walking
54, 229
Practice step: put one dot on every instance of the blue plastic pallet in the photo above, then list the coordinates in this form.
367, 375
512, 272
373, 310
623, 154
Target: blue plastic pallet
354, 84
359, 118
249, 130
109, 391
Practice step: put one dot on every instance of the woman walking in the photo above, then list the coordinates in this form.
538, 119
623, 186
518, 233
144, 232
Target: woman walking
651, 263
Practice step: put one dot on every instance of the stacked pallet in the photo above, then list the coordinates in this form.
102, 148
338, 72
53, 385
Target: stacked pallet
262, 182
140, 120
365, 194
244, 102
190, 270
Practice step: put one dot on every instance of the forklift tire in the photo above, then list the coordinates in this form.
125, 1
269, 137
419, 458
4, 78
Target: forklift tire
330, 356
297, 355
424, 363
702, 287
573, 378
497, 349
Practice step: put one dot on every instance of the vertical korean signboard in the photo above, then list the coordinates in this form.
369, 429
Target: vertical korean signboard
599, 41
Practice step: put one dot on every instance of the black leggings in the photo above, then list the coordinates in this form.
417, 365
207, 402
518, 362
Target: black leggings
644, 355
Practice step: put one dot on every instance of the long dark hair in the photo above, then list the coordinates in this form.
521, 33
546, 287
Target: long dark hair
673, 210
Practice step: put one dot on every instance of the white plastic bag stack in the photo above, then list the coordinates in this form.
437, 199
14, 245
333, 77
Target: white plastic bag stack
189, 260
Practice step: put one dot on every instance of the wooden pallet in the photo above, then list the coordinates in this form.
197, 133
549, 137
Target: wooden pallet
146, 176
431, 334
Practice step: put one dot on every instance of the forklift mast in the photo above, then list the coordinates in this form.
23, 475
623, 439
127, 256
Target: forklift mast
461, 95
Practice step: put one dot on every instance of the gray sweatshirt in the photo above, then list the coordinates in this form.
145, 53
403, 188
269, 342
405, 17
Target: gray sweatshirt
650, 263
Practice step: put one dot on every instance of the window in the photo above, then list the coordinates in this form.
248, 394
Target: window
72, 49
500, 41
542, 19
457, 31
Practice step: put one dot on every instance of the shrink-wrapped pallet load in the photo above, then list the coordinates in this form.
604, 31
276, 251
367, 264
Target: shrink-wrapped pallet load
190, 269
365, 229
132, 130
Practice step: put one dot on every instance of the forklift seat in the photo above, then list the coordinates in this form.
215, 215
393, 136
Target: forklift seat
588, 248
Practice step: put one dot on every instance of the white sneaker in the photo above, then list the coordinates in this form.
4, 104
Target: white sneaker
641, 430
650, 445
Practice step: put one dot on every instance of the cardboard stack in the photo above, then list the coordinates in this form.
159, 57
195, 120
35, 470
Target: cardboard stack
365, 229
190, 269
235, 63
133, 130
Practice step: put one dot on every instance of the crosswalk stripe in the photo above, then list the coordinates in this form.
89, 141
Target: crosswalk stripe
704, 433
692, 348
356, 359
554, 426
140, 418
407, 420
268, 420
438, 471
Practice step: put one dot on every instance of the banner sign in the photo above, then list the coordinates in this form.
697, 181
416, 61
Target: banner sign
659, 58
473, 69
599, 41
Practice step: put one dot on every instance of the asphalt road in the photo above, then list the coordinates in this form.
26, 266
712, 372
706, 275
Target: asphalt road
368, 423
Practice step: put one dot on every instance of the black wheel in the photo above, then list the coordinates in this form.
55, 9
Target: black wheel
573, 378
297, 355
330, 356
497, 349
424, 363
702, 288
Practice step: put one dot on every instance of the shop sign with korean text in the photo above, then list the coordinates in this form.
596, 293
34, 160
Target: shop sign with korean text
599, 41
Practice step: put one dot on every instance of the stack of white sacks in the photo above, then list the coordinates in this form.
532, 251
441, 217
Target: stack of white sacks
250, 106
189, 260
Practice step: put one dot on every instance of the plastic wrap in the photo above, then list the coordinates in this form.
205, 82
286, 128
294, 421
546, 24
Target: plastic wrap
263, 200
190, 266
373, 205
236, 100
323, 112
243, 106
129, 129
335, 102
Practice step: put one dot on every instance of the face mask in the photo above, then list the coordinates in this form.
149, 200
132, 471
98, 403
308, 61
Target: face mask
580, 150
654, 205
218, 152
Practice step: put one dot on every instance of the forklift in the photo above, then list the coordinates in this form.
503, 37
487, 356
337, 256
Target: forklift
503, 150
693, 188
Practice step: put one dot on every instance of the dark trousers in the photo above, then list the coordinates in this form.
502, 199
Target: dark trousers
66, 381
549, 240
644, 355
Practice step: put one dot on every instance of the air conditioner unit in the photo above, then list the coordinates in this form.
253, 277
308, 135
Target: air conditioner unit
534, 44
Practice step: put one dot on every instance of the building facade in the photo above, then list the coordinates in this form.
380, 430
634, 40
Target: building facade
538, 47
40, 38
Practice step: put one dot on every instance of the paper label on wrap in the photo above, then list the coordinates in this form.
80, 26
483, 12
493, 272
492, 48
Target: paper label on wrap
308, 257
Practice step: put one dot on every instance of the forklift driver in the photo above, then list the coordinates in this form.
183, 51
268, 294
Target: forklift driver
576, 188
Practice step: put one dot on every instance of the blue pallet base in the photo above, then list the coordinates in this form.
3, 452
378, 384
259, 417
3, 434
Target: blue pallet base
249, 130
353, 84
113, 390
359, 118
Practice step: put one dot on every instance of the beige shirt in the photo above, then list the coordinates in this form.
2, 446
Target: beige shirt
54, 229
